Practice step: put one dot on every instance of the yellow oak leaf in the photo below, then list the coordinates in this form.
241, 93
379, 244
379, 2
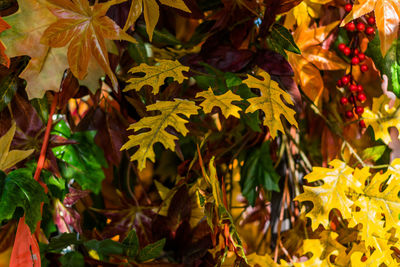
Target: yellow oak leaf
156, 126
321, 249
270, 102
46, 67
262, 261
151, 12
332, 194
224, 102
155, 75
382, 117
10, 158
387, 14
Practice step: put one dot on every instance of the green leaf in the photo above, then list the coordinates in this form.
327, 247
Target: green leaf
232, 80
151, 251
41, 106
72, 259
388, 65
105, 247
160, 37
258, 170
281, 38
62, 241
373, 153
83, 161
138, 52
131, 243
19, 189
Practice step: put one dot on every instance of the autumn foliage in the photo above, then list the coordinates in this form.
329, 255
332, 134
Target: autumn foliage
199, 133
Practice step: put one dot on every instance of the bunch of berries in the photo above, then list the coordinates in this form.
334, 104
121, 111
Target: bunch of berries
355, 94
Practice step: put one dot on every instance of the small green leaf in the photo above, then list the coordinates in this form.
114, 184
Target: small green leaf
151, 251
72, 259
281, 37
258, 170
62, 241
105, 247
373, 153
388, 65
131, 243
19, 189
232, 80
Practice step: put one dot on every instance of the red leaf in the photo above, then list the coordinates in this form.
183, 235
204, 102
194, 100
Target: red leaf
26, 249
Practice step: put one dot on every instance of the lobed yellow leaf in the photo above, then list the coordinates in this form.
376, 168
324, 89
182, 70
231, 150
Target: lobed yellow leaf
270, 102
10, 158
338, 182
157, 129
155, 75
224, 102
382, 117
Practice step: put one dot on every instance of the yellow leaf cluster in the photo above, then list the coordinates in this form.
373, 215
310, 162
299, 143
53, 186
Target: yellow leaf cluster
270, 102
10, 158
155, 75
370, 203
156, 126
381, 117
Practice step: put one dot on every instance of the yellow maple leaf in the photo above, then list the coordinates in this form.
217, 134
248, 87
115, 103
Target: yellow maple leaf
382, 117
270, 102
262, 261
157, 129
224, 102
151, 12
338, 182
387, 14
155, 75
46, 67
10, 158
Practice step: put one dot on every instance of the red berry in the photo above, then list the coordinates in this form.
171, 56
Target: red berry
339, 83
353, 88
355, 60
347, 51
361, 97
362, 124
364, 68
349, 114
360, 27
371, 21
345, 80
344, 100
361, 57
341, 46
360, 88
356, 51
348, 7
370, 31
351, 27
359, 110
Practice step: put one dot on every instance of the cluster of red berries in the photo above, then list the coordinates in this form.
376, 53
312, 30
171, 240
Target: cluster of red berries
356, 95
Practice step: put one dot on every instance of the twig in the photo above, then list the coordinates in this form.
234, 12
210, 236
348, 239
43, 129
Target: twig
281, 218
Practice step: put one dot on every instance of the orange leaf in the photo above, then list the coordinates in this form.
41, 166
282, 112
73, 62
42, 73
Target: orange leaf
86, 29
26, 249
387, 13
323, 59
